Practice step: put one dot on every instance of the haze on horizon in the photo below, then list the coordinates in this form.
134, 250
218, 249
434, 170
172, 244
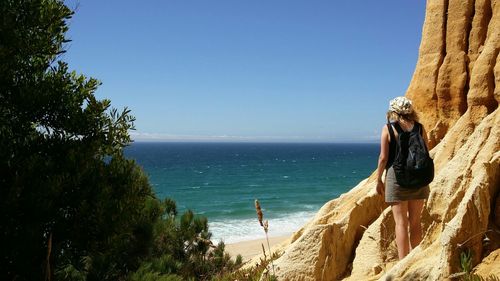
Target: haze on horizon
255, 71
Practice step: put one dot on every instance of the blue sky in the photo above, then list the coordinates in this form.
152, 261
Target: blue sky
275, 70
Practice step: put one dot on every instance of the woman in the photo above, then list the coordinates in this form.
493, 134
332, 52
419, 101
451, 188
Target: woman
406, 204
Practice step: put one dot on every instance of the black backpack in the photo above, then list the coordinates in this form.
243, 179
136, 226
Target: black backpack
413, 166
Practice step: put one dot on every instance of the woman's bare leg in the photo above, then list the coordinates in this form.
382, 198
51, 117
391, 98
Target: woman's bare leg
400, 213
414, 216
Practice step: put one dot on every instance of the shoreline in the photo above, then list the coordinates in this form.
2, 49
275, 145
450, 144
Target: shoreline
250, 248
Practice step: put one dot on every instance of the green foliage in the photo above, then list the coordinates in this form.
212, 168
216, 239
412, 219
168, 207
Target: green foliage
70, 203
72, 206
260, 271
466, 261
182, 247
239, 260
466, 265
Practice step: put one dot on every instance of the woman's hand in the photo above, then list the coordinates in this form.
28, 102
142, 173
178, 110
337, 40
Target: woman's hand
380, 187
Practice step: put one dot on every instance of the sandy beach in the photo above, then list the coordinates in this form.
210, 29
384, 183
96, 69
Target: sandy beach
250, 248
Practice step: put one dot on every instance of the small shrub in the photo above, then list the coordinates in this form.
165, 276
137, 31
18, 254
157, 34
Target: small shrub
466, 266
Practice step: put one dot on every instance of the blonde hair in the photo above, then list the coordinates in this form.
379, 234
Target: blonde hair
394, 116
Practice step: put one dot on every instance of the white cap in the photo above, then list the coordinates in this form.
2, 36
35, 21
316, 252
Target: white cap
401, 105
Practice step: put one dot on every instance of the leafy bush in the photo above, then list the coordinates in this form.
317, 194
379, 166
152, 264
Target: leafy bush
72, 206
182, 247
466, 265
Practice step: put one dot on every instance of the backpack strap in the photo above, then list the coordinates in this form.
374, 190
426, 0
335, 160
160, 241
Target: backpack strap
393, 143
421, 132
391, 132
398, 127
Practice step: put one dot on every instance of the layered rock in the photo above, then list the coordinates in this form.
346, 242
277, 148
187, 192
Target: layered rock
456, 89
323, 248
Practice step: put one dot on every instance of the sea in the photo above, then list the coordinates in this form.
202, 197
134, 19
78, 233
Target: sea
222, 180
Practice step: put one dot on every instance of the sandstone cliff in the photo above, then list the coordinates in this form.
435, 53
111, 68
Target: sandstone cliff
456, 89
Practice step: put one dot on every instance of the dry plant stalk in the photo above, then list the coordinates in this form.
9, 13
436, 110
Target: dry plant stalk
264, 251
259, 212
265, 226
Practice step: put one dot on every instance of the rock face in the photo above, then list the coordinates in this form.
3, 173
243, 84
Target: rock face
456, 89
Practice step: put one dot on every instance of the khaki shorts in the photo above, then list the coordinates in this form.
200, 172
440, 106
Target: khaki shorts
396, 193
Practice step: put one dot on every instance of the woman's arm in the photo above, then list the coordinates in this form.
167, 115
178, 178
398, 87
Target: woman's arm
382, 159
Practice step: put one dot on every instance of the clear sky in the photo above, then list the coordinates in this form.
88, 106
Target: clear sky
234, 70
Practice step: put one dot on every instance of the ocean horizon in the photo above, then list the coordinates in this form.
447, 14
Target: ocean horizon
221, 180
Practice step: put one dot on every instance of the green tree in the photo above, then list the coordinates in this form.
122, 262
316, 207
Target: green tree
72, 207
70, 203
182, 249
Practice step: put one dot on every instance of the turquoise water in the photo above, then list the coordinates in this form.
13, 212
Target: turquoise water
222, 180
